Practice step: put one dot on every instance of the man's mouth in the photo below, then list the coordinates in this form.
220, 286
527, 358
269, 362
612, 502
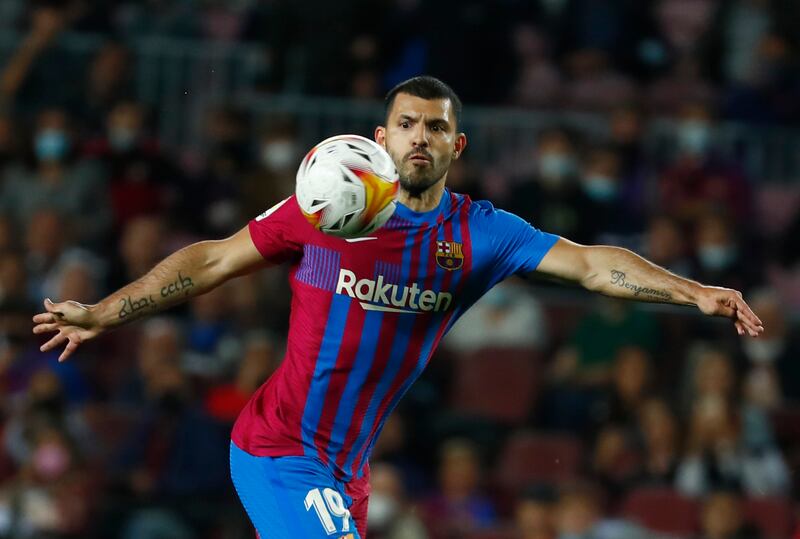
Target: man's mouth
419, 159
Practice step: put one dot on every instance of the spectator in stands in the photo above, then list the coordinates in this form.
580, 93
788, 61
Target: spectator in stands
507, 316
278, 152
683, 83
459, 505
577, 513
626, 138
594, 84
108, 82
630, 386
13, 279
175, 454
658, 428
538, 81
719, 253
778, 350
76, 275
53, 494
613, 462
213, 344
697, 181
141, 244
211, 201
57, 179
717, 455
259, 361
395, 448
552, 198
582, 368
601, 180
722, 517
390, 514
46, 403
142, 180
534, 514
665, 244
45, 243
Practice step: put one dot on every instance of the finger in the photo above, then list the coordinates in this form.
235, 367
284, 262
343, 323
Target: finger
750, 321
52, 343
43, 318
747, 312
52, 308
44, 328
70, 348
739, 327
725, 309
753, 331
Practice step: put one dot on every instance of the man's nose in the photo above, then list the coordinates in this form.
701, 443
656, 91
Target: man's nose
420, 136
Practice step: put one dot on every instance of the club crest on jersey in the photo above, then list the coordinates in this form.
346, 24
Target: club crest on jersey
449, 255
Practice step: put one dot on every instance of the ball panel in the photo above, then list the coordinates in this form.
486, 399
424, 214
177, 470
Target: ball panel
346, 185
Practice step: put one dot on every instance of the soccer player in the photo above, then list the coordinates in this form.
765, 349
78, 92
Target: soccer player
367, 314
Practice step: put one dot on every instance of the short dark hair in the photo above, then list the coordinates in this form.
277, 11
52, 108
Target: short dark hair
426, 87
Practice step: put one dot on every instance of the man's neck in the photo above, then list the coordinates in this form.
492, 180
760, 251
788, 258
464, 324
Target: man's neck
426, 201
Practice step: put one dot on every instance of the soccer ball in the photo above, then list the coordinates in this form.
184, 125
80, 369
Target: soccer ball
346, 186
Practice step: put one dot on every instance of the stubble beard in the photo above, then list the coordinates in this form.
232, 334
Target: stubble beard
415, 181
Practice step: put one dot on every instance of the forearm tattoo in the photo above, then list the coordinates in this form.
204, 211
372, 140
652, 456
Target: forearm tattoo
181, 284
618, 278
136, 307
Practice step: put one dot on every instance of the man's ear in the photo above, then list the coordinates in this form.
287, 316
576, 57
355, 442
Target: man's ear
460, 145
380, 136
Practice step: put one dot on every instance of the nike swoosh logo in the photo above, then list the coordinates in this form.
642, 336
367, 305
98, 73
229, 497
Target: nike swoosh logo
356, 240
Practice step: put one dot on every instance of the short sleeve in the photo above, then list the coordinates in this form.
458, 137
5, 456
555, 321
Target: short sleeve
279, 233
516, 245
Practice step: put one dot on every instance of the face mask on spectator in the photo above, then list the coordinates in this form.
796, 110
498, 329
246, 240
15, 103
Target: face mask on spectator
50, 460
763, 350
122, 139
278, 155
51, 145
556, 167
716, 257
600, 188
694, 137
381, 511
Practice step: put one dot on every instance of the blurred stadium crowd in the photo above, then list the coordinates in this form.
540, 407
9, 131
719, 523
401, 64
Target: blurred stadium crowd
547, 414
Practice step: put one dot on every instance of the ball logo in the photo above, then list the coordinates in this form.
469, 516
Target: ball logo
449, 255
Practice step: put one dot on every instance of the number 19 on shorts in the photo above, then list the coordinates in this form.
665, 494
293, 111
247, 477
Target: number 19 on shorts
328, 504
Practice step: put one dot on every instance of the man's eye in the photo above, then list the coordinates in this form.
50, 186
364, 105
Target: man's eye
404, 125
436, 128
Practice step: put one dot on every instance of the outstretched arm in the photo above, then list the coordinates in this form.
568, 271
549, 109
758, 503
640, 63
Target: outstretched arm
618, 272
191, 271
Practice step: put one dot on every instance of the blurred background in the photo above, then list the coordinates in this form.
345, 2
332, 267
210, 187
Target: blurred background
129, 129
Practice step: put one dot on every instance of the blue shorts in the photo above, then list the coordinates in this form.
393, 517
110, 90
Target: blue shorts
294, 497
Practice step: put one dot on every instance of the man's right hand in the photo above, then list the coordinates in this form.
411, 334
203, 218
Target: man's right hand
73, 321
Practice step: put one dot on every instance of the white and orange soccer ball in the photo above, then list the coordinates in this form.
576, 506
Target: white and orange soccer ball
346, 186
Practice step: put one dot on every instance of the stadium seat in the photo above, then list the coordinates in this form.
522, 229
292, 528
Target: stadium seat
663, 510
538, 458
772, 516
497, 384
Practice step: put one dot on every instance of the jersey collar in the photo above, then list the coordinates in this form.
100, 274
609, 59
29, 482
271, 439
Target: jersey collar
404, 212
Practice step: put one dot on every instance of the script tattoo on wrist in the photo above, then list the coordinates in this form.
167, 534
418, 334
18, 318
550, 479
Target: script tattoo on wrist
134, 307
181, 284
618, 278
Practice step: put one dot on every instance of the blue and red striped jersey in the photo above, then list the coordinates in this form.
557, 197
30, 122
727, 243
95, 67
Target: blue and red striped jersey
366, 316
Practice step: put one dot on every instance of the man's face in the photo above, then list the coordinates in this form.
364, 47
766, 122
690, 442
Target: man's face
420, 136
